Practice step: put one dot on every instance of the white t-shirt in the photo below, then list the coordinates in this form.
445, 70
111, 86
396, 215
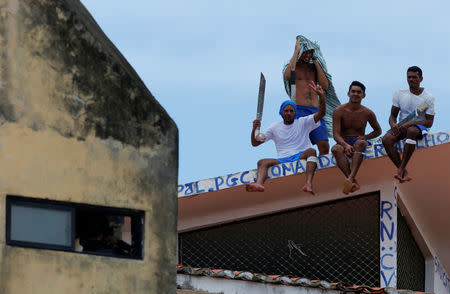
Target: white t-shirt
293, 138
408, 102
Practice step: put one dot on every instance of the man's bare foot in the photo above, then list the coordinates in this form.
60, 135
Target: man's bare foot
308, 189
355, 187
348, 184
254, 187
402, 176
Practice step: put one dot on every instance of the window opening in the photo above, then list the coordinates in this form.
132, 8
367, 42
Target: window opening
82, 228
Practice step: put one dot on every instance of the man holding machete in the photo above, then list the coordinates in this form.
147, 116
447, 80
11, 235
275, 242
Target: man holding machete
291, 137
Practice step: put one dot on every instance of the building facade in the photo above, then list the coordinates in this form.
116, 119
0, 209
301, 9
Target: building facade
385, 235
88, 160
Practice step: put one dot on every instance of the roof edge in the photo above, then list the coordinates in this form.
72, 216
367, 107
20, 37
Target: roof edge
297, 167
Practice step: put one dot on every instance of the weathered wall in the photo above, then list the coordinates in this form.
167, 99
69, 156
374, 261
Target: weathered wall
77, 124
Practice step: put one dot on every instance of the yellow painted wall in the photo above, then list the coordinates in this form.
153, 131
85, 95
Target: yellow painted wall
77, 124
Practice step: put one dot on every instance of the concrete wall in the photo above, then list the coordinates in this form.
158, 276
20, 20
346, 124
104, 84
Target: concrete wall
77, 124
388, 235
227, 286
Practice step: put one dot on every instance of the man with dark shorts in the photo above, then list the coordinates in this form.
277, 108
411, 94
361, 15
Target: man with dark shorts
291, 140
307, 100
412, 124
349, 126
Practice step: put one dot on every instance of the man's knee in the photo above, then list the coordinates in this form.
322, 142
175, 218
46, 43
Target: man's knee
412, 132
360, 145
309, 152
323, 146
265, 163
337, 149
388, 140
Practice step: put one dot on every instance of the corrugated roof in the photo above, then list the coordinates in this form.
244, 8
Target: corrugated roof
286, 280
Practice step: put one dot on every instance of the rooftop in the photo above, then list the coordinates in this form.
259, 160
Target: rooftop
425, 199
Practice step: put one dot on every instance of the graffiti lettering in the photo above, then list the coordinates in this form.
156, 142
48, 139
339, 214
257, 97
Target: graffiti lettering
388, 240
324, 161
385, 207
299, 166
379, 150
384, 229
242, 178
189, 189
197, 189
374, 151
333, 160
368, 153
443, 138
216, 180
386, 281
383, 265
439, 270
233, 181
277, 169
288, 168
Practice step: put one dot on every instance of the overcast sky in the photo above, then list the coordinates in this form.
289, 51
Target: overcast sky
202, 60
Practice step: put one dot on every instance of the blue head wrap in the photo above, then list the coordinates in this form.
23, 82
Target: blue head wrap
284, 104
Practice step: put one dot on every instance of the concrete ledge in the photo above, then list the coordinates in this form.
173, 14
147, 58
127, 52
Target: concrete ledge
296, 167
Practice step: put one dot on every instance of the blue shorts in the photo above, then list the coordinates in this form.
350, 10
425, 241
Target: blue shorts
318, 134
352, 142
294, 157
423, 132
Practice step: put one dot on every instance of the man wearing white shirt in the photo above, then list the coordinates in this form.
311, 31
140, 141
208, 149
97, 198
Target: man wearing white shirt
406, 102
291, 137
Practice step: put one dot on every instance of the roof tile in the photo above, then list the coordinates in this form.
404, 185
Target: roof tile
287, 280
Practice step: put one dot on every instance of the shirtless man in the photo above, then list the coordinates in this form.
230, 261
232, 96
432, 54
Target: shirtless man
349, 126
407, 101
307, 100
291, 140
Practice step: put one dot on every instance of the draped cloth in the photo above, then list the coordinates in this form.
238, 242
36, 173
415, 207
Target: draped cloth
332, 100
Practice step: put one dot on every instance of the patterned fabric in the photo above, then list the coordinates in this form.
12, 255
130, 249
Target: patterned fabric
330, 94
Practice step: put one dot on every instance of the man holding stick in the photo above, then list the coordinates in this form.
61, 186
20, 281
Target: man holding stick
416, 107
291, 140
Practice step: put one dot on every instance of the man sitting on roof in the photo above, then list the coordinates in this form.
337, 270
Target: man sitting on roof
416, 107
291, 137
349, 126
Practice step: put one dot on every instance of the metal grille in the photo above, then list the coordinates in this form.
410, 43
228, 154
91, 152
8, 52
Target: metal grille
410, 261
337, 241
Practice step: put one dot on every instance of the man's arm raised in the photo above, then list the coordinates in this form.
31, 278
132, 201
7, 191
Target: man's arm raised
322, 103
293, 62
256, 124
321, 77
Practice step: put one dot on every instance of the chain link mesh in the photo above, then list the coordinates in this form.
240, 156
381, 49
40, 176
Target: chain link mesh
410, 261
337, 241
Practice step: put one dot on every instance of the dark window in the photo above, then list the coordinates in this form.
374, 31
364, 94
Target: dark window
410, 261
99, 230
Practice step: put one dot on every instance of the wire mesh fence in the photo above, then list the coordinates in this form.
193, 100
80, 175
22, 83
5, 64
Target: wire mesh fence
410, 261
337, 241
